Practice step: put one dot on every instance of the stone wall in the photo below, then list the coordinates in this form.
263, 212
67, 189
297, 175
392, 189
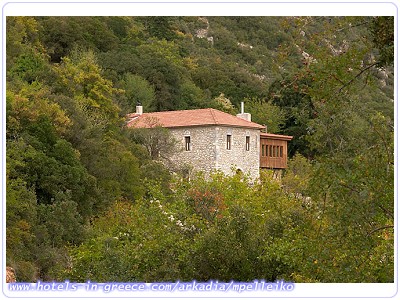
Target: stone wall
238, 158
202, 155
209, 149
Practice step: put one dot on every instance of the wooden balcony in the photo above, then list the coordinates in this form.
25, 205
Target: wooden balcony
273, 150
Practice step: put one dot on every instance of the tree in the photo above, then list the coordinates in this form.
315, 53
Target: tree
137, 90
80, 78
163, 67
124, 216
160, 27
266, 113
43, 172
382, 29
116, 169
291, 96
224, 104
193, 97
20, 225
342, 131
297, 176
157, 140
61, 35
241, 235
97, 132
22, 38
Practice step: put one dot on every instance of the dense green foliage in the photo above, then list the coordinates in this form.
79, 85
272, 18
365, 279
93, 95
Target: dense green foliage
89, 199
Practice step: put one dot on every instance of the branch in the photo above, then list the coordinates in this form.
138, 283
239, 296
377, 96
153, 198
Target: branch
349, 187
388, 213
334, 76
380, 228
384, 141
323, 210
358, 75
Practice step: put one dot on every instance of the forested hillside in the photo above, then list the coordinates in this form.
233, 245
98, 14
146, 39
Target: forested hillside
85, 199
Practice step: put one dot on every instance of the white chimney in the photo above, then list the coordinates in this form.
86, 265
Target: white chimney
243, 115
139, 109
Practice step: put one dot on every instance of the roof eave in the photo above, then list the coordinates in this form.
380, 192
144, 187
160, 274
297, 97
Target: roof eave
276, 136
216, 125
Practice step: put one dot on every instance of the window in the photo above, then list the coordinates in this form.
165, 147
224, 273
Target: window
281, 151
270, 151
247, 143
187, 143
228, 142
263, 150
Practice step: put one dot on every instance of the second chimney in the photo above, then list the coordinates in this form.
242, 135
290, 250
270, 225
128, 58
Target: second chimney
243, 115
139, 109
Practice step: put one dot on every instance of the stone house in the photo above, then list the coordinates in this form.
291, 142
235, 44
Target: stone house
213, 140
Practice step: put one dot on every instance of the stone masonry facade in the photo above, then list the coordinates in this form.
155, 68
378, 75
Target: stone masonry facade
210, 149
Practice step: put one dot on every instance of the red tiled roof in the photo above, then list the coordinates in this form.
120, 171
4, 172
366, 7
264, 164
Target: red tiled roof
186, 118
276, 136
